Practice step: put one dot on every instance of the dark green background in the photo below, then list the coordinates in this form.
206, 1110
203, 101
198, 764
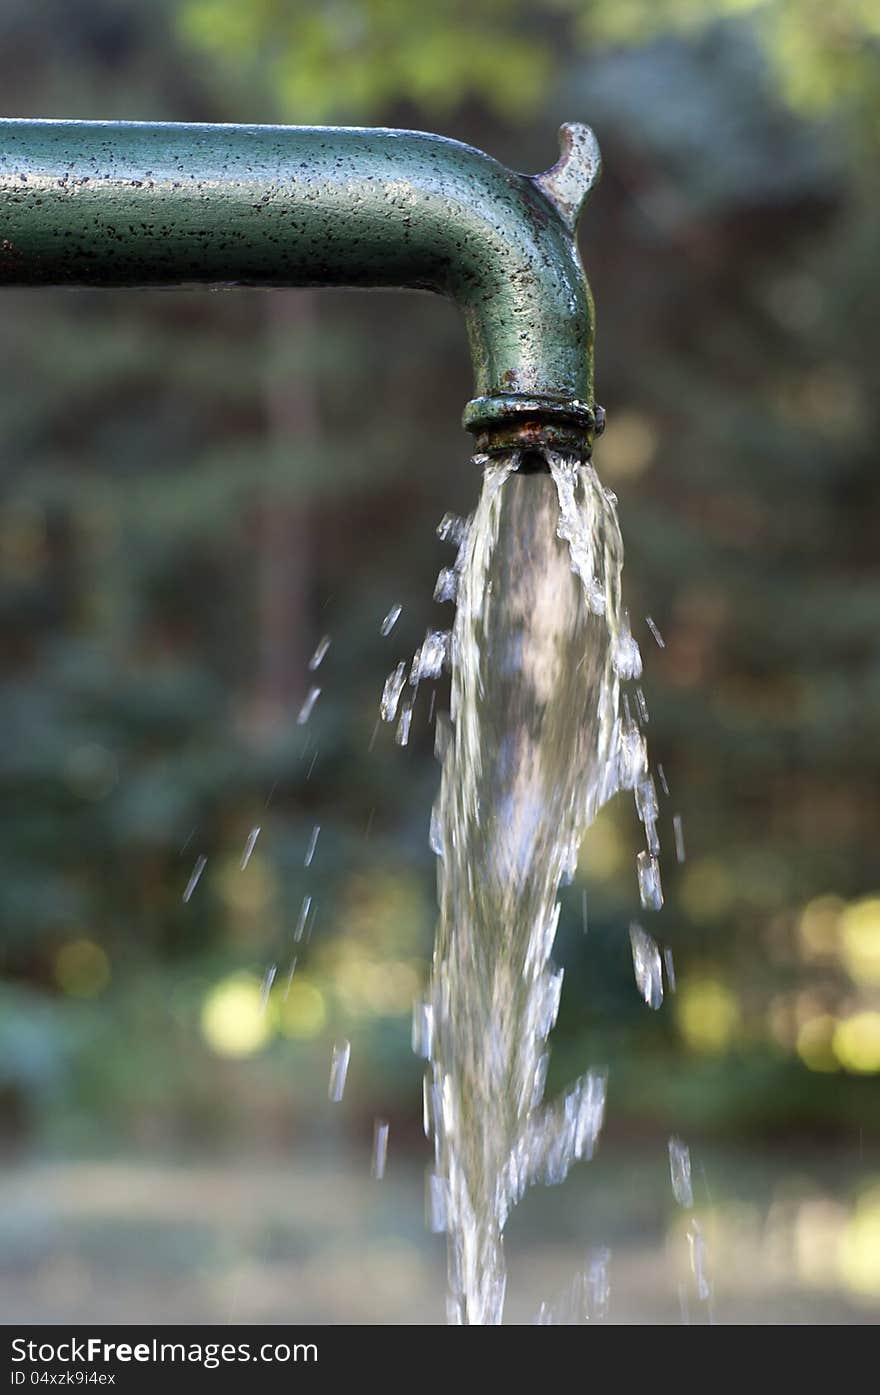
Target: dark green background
193, 495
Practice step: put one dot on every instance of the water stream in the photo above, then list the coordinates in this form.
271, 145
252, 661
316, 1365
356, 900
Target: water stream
541, 736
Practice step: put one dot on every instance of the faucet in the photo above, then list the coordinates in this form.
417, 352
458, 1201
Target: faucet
95, 203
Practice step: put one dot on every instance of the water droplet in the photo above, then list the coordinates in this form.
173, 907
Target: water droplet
431, 656
303, 917
268, 980
200, 865
632, 754
391, 693
670, 969
447, 584
679, 837
380, 1148
648, 810
401, 736
339, 1060
662, 777
249, 847
646, 965
305, 711
318, 657
650, 886
289, 980
313, 843
390, 620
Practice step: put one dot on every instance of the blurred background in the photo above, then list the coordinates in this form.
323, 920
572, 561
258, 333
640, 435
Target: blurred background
190, 505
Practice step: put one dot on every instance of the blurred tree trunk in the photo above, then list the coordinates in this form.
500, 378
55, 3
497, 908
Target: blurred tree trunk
285, 525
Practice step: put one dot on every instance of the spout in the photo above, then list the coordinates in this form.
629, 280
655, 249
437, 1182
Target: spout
142, 204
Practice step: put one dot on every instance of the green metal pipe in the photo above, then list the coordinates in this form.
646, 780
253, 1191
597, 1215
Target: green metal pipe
95, 203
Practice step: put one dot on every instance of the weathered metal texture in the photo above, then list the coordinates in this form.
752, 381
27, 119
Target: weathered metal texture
142, 204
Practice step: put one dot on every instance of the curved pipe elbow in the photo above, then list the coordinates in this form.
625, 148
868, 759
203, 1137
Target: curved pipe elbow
132, 203
531, 322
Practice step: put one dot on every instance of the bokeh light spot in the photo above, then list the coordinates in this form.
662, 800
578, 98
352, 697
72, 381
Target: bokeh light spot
234, 1022
814, 1043
708, 1014
859, 1251
82, 969
706, 889
249, 892
856, 1042
818, 927
91, 771
630, 448
303, 1012
860, 941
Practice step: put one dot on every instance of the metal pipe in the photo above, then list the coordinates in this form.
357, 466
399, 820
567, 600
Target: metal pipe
95, 203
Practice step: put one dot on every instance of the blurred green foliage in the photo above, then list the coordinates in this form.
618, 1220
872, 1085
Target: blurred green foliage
351, 61
193, 497
348, 59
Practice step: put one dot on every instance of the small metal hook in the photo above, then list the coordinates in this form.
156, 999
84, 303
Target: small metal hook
570, 180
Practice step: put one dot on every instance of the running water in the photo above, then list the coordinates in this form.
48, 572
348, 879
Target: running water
537, 743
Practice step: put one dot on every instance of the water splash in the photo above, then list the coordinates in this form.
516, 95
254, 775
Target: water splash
422, 1029
699, 1261
588, 1296
539, 740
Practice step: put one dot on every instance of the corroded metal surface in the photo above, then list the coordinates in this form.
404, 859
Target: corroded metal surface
138, 204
